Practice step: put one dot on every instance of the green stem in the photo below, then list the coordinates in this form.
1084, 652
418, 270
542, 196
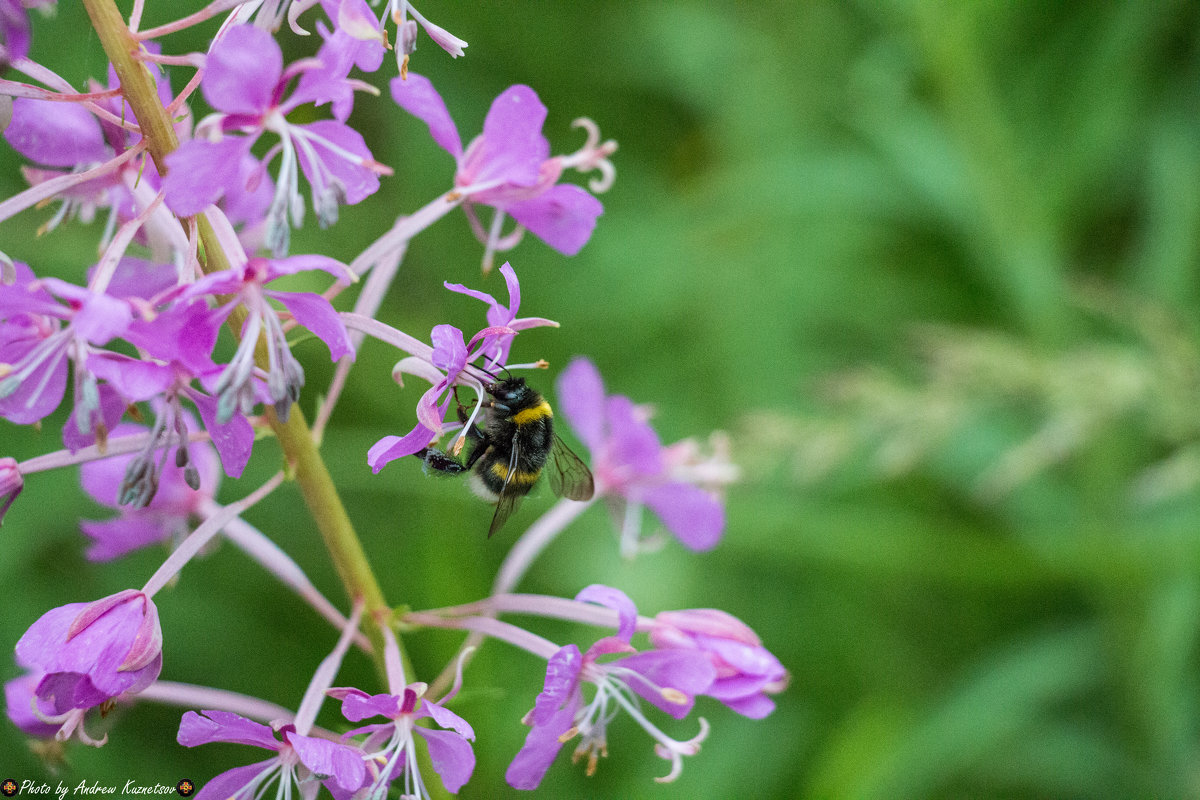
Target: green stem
300, 451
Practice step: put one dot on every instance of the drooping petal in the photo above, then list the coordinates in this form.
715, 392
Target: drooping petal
581, 400
448, 719
55, 134
315, 313
224, 726
452, 757
389, 448
696, 517
417, 96
242, 71
542, 744
19, 699
561, 684
138, 277
563, 216
618, 601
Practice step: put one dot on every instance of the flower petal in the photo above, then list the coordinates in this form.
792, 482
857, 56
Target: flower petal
452, 757
581, 399
563, 216
315, 313
242, 71
513, 147
224, 726
200, 172
55, 134
389, 448
695, 517
417, 96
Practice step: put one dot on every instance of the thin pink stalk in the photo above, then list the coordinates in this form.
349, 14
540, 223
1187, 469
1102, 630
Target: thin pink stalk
203, 534
208, 12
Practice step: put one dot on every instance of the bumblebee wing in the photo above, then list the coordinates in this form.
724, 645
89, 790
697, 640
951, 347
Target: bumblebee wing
569, 476
509, 495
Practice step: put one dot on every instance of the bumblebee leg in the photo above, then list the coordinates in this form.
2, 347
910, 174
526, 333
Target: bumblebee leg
437, 460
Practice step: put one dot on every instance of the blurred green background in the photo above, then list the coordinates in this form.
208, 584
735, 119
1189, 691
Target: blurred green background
933, 266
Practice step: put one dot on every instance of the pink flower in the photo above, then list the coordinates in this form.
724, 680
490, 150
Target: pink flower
632, 467
90, 653
509, 166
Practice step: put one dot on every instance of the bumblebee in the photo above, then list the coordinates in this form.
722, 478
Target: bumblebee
511, 451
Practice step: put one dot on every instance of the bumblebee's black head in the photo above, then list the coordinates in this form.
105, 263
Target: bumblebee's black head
511, 393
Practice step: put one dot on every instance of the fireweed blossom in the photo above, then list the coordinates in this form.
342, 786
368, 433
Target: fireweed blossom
667, 679
87, 654
633, 469
92, 155
495, 350
448, 366
245, 81
234, 388
509, 168
389, 747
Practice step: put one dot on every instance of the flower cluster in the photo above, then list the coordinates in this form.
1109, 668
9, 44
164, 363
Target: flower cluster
178, 347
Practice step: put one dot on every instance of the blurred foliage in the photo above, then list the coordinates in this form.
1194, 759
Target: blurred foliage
934, 264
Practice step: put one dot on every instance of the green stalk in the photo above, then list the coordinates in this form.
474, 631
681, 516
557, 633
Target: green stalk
294, 436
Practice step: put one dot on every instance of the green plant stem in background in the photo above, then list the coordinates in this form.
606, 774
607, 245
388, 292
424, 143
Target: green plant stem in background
294, 436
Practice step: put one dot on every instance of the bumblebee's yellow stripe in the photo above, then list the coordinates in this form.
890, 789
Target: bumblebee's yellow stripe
529, 415
520, 477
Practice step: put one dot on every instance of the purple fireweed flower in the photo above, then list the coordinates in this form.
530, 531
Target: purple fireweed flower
234, 388
300, 762
245, 81
183, 486
746, 671
668, 680
447, 366
495, 348
36, 345
449, 355
390, 749
633, 469
89, 653
509, 166
11, 484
